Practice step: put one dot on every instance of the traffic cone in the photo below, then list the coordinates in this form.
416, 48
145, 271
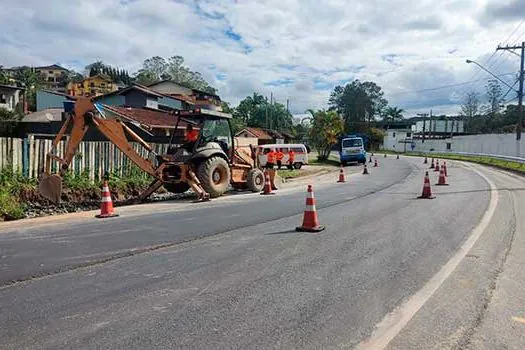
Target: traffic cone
106, 204
372, 154
426, 161
445, 168
310, 219
436, 168
375, 163
341, 175
365, 170
267, 183
397, 156
432, 164
370, 161
442, 180
385, 155
427, 192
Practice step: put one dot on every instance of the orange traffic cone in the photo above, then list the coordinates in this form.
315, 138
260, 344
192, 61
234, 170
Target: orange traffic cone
445, 168
397, 156
385, 155
365, 170
106, 205
436, 168
341, 175
426, 161
375, 163
267, 183
442, 180
310, 219
370, 161
432, 164
427, 192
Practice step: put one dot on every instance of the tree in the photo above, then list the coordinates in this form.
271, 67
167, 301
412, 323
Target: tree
326, 127
256, 111
146, 78
95, 68
494, 98
394, 114
31, 81
4, 79
470, 105
358, 102
157, 68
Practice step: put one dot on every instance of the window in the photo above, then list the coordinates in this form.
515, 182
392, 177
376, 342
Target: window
50, 72
449, 146
352, 143
409, 134
91, 85
3, 98
393, 134
216, 130
50, 79
103, 85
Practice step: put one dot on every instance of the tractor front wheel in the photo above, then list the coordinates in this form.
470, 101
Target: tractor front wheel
255, 180
214, 175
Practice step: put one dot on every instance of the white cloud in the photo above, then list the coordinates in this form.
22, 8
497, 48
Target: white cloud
309, 46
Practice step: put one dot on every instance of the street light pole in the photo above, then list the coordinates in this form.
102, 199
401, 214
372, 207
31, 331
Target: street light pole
486, 70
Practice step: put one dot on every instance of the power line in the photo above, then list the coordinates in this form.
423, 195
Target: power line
510, 89
444, 86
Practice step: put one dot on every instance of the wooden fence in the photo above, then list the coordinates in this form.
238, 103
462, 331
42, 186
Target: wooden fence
27, 156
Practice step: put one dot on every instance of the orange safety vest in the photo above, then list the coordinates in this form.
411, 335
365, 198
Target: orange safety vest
291, 156
271, 157
192, 136
279, 155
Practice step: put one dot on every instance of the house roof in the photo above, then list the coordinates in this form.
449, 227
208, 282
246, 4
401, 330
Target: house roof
11, 87
53, 66
59, 94
132, 87
183, 98
102, 76
147, 117
256, 132
44, 116
174, 82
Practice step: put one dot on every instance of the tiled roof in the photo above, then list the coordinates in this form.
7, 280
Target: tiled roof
11, 87
132, 87
53, 66
148, 117
257, 132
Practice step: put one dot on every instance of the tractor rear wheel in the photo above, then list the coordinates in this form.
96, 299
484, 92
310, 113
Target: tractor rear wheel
214, 175
255, 180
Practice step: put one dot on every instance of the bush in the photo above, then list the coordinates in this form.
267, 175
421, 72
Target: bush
10, 207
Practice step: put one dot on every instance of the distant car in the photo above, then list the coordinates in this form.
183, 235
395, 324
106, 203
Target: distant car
301, 153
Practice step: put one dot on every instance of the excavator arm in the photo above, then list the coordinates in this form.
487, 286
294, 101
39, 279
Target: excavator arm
83, 117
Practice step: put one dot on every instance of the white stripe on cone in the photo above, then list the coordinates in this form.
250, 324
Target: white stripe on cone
310, 208
106, 199
310, 195
105, 189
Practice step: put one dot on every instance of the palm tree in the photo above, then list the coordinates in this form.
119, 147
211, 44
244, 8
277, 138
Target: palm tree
394, 114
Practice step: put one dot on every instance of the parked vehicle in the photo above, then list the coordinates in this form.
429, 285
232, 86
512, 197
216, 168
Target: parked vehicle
301, 154
352, 149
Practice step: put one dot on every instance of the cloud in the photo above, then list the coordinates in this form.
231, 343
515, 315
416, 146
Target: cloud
295, 49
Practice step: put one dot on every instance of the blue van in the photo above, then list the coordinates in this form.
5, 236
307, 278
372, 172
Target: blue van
352, 150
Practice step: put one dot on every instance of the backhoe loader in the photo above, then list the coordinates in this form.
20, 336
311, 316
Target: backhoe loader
208, 166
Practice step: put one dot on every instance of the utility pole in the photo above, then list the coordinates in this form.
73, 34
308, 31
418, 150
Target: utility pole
266, 112
520, 90
271, 110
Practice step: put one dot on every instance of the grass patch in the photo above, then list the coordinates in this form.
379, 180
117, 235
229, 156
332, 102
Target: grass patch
498, 163
290, 174
11, 184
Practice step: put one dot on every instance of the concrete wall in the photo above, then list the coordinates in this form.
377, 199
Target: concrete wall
170, 102
500, 144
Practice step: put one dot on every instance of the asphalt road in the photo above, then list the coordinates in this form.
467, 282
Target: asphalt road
233, 273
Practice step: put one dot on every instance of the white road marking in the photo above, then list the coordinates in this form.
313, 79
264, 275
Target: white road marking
393, 323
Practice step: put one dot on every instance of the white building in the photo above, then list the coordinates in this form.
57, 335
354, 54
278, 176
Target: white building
399, 140
439, 126
10, 96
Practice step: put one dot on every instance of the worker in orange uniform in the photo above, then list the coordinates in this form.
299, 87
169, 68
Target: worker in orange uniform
279, 155
190, 137
271, 158
291, 158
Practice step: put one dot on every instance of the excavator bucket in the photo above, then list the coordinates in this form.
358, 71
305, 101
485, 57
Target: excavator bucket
50, 187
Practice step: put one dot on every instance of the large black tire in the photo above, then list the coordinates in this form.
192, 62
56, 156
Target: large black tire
181, 187
255, 180
214, 175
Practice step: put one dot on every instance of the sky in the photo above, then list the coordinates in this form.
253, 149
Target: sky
296, 49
